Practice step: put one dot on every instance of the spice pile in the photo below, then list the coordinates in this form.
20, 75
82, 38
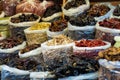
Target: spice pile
111, 54
10, 42
59, 40
76, 67
40, 26
51, 10
58, 25
90, 43
24, 18
74, 4
83, 20
29, 48
113, 23
98, 10
23, 64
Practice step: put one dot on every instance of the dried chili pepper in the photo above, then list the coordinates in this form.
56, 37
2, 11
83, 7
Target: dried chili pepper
89, 43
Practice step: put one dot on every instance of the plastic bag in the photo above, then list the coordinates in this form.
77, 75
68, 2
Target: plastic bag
42, 76
33, 6
113, 16
106, 34
9, 73
56, 55
51, 34
77, 10
107, 15
109, 70
17, 29
89, 52
2, 14
35, 54
9, 7
77, 33
52, 13
88, 76
35, 36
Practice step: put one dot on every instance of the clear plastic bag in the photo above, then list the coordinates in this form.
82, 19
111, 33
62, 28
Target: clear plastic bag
36, 54
17, 29
51, 34
89, 52
42, 76
76, 11
113, 16
109, 70
77, 33
56, 55
106, 34
9, 73
35, 36
33, 6
9, 7
107, 15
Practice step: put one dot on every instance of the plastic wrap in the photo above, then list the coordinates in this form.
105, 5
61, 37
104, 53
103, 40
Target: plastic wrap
9, 7
33, 6
9, 73
77, 33
106, 34
109, 70
17, 29
76, 11
107, 15
89, 52
55, 55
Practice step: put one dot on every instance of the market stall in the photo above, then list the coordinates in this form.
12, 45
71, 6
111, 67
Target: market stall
60, 40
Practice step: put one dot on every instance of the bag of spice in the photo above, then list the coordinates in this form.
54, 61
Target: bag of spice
9, 7
101, 11
89, 48
109, 70
36, 34
75, 7
81, 26
57, 27
34, 6
19, 69
116, 12
108, 29
56, 51
109, 61
32, 51
21, 21
52, 12
78, 69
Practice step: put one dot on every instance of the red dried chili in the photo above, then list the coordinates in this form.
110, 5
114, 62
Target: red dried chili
90, 43
113, 23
